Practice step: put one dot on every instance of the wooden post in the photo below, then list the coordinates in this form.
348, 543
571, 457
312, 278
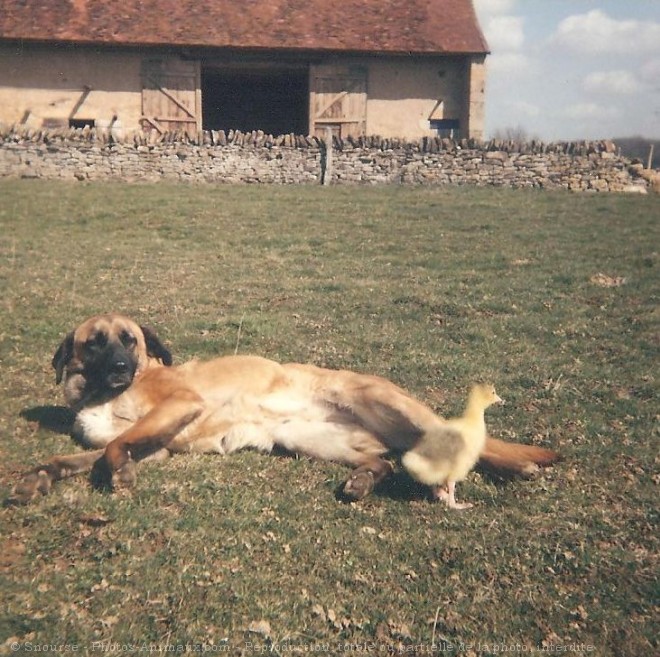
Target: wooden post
327, 169
649, 164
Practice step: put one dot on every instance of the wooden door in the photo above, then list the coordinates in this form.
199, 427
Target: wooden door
338, 100
171, 96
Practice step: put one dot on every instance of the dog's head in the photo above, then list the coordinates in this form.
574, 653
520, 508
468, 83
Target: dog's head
100, 358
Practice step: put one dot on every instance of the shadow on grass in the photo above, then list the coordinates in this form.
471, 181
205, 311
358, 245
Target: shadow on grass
400, 486
58, 419
397, 486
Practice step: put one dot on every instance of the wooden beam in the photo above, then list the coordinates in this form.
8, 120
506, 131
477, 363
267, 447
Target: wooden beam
154, 124
79, 103
330, 103
173, 98
173, 119
340, 120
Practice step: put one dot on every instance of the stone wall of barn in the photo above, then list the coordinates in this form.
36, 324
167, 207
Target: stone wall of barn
257, 158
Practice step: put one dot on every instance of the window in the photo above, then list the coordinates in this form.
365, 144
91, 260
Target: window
81, 123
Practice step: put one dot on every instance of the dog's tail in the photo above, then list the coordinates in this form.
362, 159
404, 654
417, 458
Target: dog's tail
515, 459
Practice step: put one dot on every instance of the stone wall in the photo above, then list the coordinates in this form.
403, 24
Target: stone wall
216, 157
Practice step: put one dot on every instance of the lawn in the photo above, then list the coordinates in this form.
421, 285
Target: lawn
552, 296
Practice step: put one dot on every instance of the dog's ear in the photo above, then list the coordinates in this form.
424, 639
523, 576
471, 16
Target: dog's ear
155, 348
62, 357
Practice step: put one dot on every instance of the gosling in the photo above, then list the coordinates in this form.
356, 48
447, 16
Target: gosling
446, 456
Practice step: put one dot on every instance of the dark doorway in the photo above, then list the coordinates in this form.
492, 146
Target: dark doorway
276, 102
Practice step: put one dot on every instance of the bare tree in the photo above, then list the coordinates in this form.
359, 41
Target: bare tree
510, 133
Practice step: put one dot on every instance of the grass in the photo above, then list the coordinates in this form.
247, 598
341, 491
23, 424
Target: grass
433, 288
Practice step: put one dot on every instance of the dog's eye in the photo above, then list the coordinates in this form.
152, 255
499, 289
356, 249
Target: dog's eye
128, 339
96, 341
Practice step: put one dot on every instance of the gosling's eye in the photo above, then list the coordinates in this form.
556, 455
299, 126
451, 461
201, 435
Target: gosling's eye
128, 339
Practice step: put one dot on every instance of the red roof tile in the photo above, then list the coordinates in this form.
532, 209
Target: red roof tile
394, 26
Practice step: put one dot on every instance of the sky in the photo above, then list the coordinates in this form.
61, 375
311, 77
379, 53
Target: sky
572, 69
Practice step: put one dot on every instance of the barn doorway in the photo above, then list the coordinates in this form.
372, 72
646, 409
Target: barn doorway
275, 101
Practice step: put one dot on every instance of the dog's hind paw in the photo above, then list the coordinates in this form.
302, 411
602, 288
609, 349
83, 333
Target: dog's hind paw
359, 485
36, 483
125, 477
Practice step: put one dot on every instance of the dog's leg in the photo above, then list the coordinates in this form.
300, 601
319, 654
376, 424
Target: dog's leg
400, 420
39, 480
391, 418
149, 434
380, 406
342, 441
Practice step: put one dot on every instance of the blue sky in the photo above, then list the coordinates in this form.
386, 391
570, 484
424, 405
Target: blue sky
573, 69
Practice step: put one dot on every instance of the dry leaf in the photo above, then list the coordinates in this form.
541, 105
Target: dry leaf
383, 633
95, 520
260, 627
603, 280
317, 610
400, 630
101, 586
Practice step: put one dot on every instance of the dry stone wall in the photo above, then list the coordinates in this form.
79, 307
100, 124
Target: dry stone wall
216, 157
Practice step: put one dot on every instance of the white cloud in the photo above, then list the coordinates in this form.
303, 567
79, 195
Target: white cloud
591, 111
524, 108
618, 82
595, 32
650, 72
493, 7
508, 63
505, 33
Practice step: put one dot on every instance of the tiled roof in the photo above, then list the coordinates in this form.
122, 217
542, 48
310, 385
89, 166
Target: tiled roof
387, 26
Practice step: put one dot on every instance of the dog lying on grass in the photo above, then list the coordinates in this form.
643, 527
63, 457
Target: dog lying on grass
132, 403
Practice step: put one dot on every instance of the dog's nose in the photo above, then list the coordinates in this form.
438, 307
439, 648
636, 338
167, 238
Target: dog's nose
120, 367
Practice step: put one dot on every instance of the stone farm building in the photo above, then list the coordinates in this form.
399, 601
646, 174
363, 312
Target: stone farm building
394, 68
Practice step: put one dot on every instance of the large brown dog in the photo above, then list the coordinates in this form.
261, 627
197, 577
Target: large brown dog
131, 403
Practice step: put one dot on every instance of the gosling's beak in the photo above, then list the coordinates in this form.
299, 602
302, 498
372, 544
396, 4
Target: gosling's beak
499, 400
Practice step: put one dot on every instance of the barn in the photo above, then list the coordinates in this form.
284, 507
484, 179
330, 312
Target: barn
354, 67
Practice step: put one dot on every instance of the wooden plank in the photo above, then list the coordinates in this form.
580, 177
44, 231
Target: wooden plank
154, 124
173, 98
330, 103
173, 119
343, 119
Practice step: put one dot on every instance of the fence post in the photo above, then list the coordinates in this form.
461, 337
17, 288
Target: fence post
326, 172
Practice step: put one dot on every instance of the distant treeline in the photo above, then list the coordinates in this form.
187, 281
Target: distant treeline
638, 147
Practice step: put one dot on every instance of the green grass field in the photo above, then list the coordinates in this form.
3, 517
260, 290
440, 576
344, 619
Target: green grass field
552, 296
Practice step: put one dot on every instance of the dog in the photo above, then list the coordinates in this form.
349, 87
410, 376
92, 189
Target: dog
132, 403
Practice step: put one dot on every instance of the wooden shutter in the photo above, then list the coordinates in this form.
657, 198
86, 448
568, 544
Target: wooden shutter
338, 100
171, 96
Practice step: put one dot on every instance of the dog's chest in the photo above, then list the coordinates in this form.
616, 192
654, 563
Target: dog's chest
96, 426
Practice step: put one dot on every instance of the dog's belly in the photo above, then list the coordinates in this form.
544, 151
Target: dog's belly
296, 423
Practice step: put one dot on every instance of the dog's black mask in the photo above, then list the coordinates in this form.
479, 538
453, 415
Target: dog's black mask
109, 366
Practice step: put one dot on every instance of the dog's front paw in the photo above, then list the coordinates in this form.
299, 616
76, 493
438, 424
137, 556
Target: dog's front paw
34, 484
125, 477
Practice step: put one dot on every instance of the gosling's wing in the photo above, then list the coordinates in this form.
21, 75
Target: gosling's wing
444, 444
